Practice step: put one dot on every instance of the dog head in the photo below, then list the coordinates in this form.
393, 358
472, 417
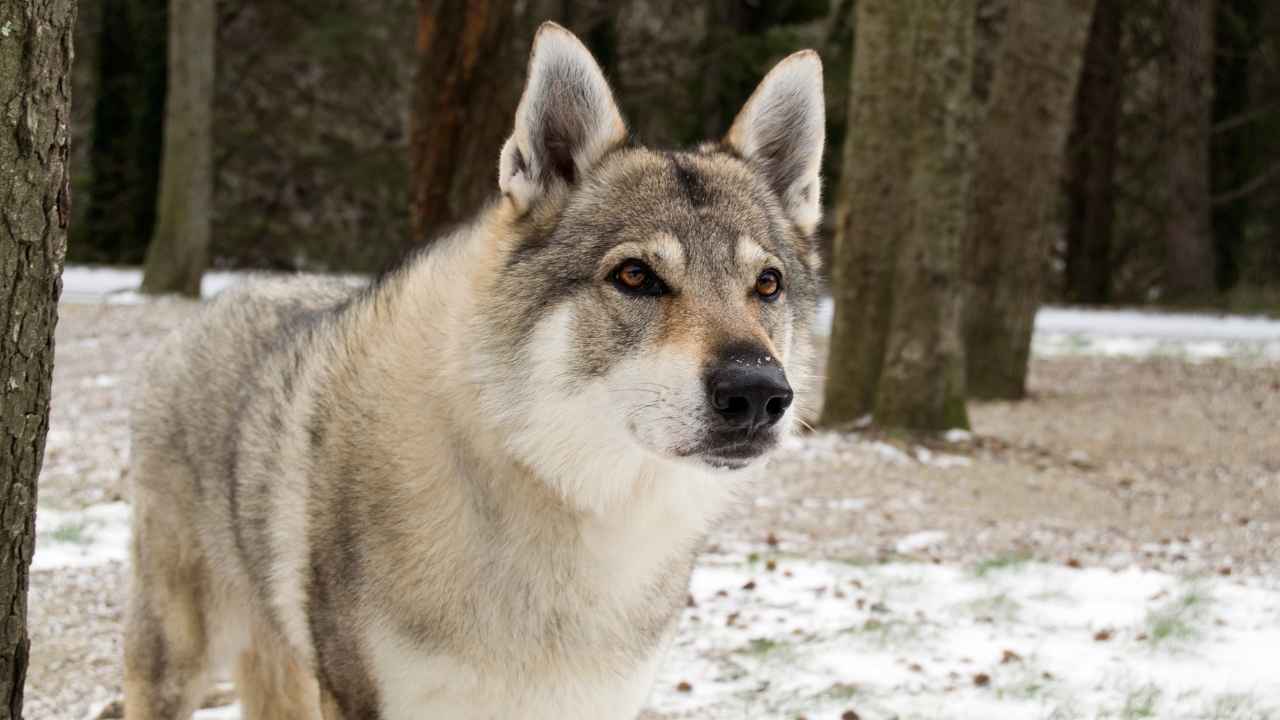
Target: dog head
658, 303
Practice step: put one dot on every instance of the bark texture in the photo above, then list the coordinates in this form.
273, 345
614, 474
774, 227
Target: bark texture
1018, 174
1093, 151
464, 97
35, 103
179, 248
900, 217
1188, 83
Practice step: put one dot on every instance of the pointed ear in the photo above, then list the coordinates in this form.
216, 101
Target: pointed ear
566, 120
781, 129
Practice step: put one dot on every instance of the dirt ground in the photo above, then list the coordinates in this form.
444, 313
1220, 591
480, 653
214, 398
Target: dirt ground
1159, 463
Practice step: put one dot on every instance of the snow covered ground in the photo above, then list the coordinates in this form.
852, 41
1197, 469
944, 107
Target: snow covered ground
98, 534
769, 633
795, 626
775, 636
93, 283
1134, 333
1058, 331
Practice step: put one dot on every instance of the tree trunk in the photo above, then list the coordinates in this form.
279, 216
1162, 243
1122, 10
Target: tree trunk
1233, 152
871, 207
471, 68
923, 384
1262, 252
35, 90
901, 212
661, 53
1017, 186
1093, 151
179, 248
128, 125
1188, 82
469, 79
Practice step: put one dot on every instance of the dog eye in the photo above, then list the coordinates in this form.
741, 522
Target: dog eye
769, 285
635, 278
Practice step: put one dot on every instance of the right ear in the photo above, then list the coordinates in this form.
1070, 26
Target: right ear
567, 119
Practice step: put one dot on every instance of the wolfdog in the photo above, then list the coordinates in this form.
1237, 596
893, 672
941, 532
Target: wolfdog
475, 489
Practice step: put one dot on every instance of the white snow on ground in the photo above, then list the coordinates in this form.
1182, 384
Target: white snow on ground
93, 536
770, 634
1004, 639
89, 283
1179, 326
1131, 333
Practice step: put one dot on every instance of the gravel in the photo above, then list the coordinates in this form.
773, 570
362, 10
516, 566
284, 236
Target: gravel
1160, 464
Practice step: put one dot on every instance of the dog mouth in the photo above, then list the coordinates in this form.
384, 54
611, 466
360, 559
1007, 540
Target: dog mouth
734, 451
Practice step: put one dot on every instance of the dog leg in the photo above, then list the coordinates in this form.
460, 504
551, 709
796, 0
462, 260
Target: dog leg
167, 658
166, 650
273, 685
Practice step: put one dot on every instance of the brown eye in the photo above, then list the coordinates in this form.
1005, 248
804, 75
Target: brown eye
633, 275
635, 278
769, 285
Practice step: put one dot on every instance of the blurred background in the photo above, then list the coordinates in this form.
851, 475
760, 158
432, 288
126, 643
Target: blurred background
1045, 481
315, 105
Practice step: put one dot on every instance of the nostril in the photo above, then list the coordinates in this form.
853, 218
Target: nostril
737, 405
777, 405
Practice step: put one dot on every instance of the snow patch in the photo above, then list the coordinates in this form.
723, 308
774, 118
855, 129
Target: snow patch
1009, 639
915, 542
119, 285
94, 536
1133, 333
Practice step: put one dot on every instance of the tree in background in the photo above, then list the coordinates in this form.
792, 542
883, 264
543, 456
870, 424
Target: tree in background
1188, 85
1232, 163
179, 247
1262, 253
1016, 188
128, 124
35, 87
1092, 154
467, 56
678, 69
902, 208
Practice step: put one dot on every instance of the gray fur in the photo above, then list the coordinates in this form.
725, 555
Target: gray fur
454, 492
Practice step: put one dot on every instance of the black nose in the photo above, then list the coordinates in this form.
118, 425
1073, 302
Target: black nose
749, 398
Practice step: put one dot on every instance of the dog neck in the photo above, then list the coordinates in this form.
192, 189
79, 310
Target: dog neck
433, 337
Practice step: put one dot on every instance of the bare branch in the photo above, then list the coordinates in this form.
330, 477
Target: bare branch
1245, 118
1248, 188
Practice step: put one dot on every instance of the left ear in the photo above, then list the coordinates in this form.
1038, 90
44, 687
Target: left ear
566, 121
781, 129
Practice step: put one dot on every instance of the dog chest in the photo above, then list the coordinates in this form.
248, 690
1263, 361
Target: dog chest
414, 683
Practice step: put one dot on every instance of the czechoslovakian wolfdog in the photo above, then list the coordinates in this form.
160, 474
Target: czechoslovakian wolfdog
475, 489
